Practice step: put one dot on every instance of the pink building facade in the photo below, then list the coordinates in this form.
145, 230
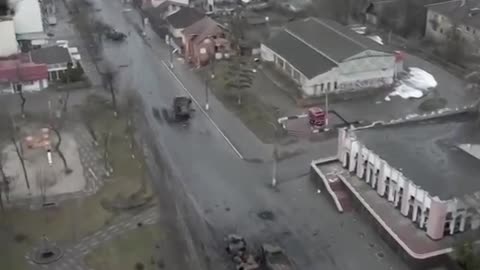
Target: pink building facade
438, 218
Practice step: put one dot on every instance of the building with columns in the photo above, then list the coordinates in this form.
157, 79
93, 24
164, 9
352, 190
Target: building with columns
428, 171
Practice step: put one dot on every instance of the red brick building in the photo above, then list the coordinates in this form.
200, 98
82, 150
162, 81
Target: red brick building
203, 41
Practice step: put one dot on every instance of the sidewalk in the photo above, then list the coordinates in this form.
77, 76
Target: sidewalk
241, 137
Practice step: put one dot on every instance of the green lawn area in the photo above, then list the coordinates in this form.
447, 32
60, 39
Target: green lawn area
21, 228
123, 252
255, 114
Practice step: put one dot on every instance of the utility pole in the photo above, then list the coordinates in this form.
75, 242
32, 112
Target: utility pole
274, 155
206, 94
212, 77
170, 49
326, 108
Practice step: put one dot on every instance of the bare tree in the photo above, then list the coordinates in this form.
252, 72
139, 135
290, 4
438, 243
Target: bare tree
5, 184
109, 75
18, 87
22, 99
13, 139
68, 74
132, 105
56, 126
106, 152
237, 29
239, 77
455, 46
56, 130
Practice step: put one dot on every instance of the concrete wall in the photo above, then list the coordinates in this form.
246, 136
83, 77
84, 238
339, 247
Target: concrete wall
413, 260
35, 86
319, 178
436, 217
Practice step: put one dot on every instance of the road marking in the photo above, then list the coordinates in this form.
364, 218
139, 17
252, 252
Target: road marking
202, 110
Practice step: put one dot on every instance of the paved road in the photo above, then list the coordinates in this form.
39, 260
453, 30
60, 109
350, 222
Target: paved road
230, 193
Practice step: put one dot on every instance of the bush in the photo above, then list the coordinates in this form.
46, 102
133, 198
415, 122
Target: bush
139, 266
20, 237
72, 74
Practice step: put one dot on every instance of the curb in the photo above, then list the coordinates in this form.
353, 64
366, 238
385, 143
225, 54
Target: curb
283, 119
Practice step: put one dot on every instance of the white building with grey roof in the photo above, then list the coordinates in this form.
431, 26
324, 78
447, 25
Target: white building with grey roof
323, 56
427, 170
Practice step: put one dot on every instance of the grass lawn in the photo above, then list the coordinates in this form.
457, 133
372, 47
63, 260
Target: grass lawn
123, 252
255, 114
21, 228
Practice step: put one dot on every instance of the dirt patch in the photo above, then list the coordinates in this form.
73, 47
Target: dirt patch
266, 215
432, 104
255, 114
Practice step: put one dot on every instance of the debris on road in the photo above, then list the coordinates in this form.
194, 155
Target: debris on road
237, 249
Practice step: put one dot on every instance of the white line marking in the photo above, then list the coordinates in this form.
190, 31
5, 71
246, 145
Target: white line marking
202, 110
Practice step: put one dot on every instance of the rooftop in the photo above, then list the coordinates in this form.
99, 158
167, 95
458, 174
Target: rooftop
51, 55
319, 45
460, 11
203, 28
17, 70
9, 45
429, 153
184, 17
28, 17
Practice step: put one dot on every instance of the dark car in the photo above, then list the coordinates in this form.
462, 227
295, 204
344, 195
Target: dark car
115, 35
181, 110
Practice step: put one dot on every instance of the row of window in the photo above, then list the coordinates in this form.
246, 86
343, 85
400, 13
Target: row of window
318, 88
439, 18
295, 75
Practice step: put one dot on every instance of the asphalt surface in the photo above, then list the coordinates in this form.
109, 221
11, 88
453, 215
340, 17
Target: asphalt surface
228, 193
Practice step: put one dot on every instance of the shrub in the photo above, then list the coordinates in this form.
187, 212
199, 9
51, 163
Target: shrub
139, 266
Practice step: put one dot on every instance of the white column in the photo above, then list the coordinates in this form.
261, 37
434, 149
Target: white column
396, 200
415, 211
422, 218
381, 179
360, 163
404, 204
374, 177
369, 172
392, 190
452, 224
463, 221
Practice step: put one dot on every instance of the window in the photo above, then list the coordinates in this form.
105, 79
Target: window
288, 69
280, 62
328, 86
441, 30
335, 85
468, 28
296, 75
321, 87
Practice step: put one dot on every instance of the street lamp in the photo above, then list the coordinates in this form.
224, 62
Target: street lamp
274, 155
212, 76
267, 19
171, 49
326, 109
